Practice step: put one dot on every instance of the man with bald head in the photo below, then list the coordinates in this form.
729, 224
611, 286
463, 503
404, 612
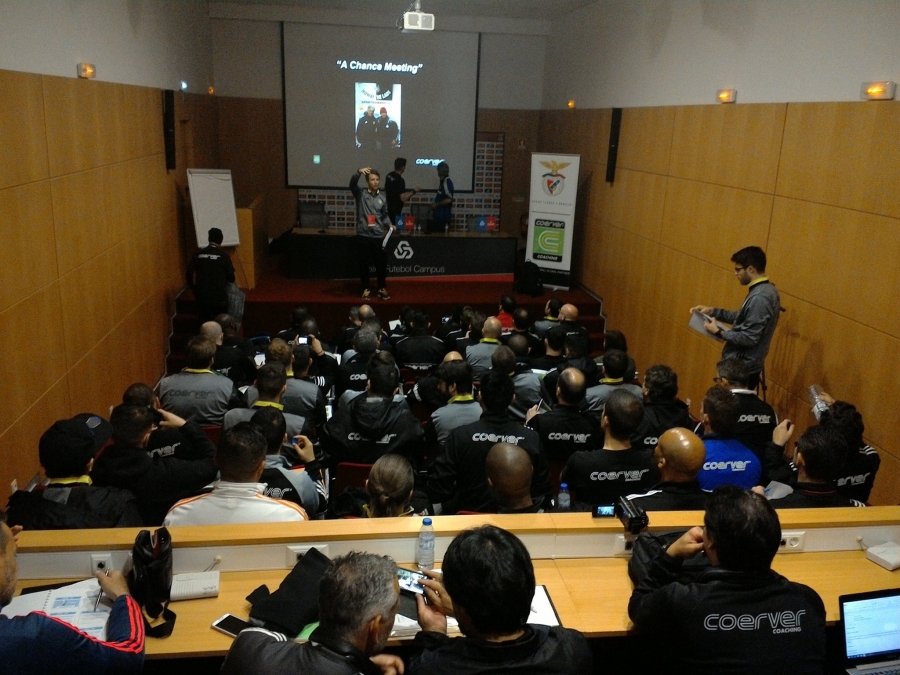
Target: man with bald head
679, 456
568, 319
479, 355
509, 472
229, 360
564, 429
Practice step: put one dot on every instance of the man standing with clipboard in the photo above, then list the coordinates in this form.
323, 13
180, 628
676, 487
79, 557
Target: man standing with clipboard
373, 229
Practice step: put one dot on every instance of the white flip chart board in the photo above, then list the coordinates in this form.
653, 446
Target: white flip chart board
212, 201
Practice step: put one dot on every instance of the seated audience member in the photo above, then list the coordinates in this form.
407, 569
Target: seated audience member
197, 393
302, 396
450, 324
527, 384
575, 357
298, 315
728, 461
418, 350
374, 424
509, 472
479, 355
679, 456
358, 600
615, 363
602, 476
38, 643
568, 319
454, 382
458, 479
427, 389
856, 478
740, 616
382, 358
281, 481
521, 320
553, 347
756, 418
459, 325
270, 385
564, 429
165, 441
343, 338
310, 328
299, 396
237, 496
390, 488
551, 318
352, 371
323, 371
819, 457
488, 585
472, 335
662, 408
505, 314
69, 501
402, 329
231, 336
615, 339
157, 482
229, 361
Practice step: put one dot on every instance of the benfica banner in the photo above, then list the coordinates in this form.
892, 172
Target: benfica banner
551, 216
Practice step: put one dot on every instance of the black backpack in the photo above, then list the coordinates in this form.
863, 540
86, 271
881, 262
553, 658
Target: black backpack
530, 282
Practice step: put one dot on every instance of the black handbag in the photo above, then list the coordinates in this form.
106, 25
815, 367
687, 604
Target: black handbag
150, 579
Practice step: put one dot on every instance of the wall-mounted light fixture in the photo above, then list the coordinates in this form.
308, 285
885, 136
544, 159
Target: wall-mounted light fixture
571, 103
86, 70
183, 85
726, 95
878, 91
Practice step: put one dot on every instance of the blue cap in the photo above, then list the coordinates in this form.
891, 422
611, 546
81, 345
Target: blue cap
563, 486
427, 521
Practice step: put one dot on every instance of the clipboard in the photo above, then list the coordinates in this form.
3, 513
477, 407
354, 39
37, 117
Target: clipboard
698, 323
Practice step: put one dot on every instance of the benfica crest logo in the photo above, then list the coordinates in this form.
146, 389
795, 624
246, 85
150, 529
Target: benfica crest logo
554, 182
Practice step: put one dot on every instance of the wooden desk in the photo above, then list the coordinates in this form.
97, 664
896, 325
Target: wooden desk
590, 592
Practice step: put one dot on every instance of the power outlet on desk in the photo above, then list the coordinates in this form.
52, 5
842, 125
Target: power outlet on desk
792, 542
294, 553
623, 546
101, 562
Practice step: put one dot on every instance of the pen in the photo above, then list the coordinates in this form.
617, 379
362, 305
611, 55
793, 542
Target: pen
100, 594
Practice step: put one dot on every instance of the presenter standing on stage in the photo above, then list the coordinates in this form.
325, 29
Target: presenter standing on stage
395, 189
372, 225
442, 206
753, 325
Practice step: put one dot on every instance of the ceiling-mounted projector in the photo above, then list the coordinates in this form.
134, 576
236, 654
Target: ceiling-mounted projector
418, 21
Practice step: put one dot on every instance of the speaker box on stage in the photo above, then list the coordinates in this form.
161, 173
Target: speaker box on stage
169, 127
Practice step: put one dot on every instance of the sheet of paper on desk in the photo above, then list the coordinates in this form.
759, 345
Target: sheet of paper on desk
542, 612
73, 604
698, 323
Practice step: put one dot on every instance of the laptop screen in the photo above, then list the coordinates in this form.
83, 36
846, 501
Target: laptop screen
871, 624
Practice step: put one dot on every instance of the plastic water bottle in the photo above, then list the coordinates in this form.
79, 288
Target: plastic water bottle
425, 546
815, 398
563, 499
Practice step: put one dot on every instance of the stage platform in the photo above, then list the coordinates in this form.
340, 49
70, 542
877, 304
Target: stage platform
268, 306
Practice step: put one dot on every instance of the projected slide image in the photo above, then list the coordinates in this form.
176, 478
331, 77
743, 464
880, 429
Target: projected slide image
377, 116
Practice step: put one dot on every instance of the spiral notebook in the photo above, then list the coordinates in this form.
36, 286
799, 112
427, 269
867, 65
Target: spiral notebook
76, 604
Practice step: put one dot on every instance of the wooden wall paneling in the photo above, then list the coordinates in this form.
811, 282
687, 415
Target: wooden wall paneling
645, 139
842, 260
636, 202
79, 218
735, 145
116, 187
22, 132
74, 112
30, 333
711, 222
885, 490
843, 154
28, 252
88, 304
19, 443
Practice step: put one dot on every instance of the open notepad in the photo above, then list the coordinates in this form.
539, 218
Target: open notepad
542, 612
73, 604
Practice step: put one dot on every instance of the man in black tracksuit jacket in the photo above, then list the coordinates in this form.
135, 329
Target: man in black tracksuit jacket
458, 478
374, 424
565, 430
739, 616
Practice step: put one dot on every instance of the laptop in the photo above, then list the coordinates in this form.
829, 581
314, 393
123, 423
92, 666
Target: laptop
871, 625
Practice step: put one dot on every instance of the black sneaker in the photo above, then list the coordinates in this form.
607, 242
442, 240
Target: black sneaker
383, 294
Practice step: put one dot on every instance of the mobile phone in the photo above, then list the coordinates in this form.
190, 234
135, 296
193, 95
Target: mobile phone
605, 511
409, 581
230, 625
302, 340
